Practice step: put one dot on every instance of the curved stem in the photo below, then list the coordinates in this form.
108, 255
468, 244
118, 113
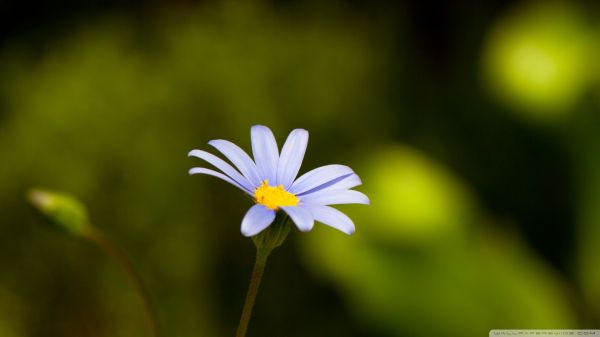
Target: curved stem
259, 268
119, 256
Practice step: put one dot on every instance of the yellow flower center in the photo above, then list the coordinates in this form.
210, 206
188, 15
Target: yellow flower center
274, 197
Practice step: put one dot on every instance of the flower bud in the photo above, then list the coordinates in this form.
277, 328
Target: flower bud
60, 210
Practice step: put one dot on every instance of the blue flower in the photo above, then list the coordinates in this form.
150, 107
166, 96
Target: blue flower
270, 179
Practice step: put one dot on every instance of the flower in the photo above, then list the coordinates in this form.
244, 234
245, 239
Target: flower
270, 179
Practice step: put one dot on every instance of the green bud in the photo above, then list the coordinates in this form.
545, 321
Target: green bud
60, 210
274, 235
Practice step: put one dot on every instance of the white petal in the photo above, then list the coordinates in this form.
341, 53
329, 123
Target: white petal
332, 217
334, 197
344, 183
256, 219
319, 176
201, 170
347, 183
291, 157
239, 158
301, 217
265, 152
223, 166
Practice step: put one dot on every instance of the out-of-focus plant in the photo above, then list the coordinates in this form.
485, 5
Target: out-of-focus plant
459, 274
68, 214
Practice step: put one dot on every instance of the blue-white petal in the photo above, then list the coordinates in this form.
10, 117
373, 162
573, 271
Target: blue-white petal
342, 183
202, 170
301, 217
291, 157
265, 152
349, 182
223, 166
257, 219
332, 217
320, 176
239, 158
334, 197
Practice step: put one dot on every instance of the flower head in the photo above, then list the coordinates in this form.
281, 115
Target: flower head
270, 179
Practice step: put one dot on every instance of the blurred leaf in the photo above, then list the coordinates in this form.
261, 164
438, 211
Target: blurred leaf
412, 198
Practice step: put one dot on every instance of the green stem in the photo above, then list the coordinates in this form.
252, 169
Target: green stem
259, 268
119, 256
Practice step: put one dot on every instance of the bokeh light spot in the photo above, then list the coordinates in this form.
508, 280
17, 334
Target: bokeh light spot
536, 59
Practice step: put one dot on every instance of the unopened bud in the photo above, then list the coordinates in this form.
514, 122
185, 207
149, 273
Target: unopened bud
60, 210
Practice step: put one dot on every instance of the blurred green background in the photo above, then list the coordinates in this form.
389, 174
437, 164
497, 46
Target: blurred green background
474, 127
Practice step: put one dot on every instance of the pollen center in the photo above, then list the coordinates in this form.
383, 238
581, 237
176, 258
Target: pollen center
274, 197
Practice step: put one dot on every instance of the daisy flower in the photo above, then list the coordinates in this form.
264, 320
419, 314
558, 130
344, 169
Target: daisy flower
270, 179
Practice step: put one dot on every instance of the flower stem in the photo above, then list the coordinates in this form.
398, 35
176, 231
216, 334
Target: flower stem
259, 267
118, 255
